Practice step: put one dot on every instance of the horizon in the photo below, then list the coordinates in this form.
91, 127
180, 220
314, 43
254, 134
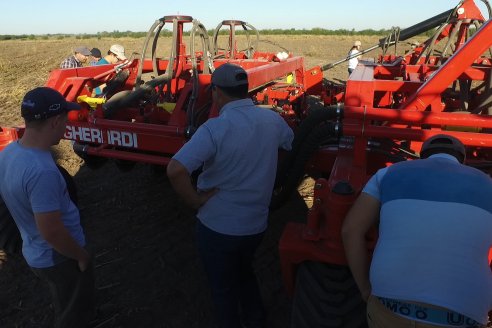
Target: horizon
55, 17
187, 30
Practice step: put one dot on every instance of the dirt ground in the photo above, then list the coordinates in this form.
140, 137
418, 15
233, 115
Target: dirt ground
147, 271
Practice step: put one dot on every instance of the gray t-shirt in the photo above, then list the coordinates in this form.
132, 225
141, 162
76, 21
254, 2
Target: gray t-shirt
31, 183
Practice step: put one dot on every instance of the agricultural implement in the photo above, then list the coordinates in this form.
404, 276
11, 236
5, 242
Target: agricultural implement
151, 105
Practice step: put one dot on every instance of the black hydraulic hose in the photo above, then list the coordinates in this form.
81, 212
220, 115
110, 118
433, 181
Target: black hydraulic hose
315, 117
456, 28
291, 168
326, 133
125, 98
485, 100
190, 111
489, 10
157, 23
422, 27
251, 46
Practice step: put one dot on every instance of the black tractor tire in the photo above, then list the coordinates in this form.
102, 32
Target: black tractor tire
10, 238
326, 296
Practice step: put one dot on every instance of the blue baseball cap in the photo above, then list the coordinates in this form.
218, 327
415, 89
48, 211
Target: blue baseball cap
42, 103
95, 52
229, 76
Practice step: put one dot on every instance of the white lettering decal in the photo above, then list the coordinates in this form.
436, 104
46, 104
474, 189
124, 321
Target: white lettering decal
68, 132
114, 138
117, 138
86, 134
126, 139
96, 136
76, 134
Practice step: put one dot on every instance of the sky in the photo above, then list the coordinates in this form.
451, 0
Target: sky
71, 17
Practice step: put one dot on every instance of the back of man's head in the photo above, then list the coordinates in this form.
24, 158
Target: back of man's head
41, 103
443, 143
232, 80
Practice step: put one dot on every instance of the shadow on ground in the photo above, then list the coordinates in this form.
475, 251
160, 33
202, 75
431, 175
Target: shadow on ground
147, 270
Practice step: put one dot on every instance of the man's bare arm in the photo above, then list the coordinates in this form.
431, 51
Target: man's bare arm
181, 181
54, 232
361, 217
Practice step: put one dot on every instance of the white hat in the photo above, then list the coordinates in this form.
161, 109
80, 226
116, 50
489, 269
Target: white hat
118, 50
357, 43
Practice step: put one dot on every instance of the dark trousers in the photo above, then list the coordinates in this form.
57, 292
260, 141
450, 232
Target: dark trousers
72, 293
228, 262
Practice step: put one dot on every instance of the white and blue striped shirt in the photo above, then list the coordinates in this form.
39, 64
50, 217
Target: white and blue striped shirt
434, 236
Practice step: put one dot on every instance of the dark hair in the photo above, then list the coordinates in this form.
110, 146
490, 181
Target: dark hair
240, 91
35, 124
448, 151
442, 143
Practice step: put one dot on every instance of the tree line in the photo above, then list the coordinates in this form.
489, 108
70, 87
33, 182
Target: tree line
130, 34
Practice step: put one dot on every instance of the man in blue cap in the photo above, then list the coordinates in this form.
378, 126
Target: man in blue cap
36, 195
238, 151
96, 56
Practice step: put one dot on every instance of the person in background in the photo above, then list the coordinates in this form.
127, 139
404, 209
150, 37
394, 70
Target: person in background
430, 266
80, 56
352, 63
115, 54
414, 44
96, 56
36, 195
238, 151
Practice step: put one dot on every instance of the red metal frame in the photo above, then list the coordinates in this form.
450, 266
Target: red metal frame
7, 135
404, 103
147, 133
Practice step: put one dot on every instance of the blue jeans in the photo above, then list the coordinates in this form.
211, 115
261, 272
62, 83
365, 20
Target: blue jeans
228, 262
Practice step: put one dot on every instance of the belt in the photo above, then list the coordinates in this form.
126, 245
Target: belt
431, 315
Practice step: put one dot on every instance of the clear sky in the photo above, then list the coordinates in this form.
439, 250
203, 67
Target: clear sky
72, 17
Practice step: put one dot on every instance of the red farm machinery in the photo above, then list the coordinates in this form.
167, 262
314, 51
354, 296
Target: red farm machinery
151, 105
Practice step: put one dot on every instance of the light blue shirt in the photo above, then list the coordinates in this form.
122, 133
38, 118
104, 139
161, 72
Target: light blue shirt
31, 183
434, 236
238, 150
102, 61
